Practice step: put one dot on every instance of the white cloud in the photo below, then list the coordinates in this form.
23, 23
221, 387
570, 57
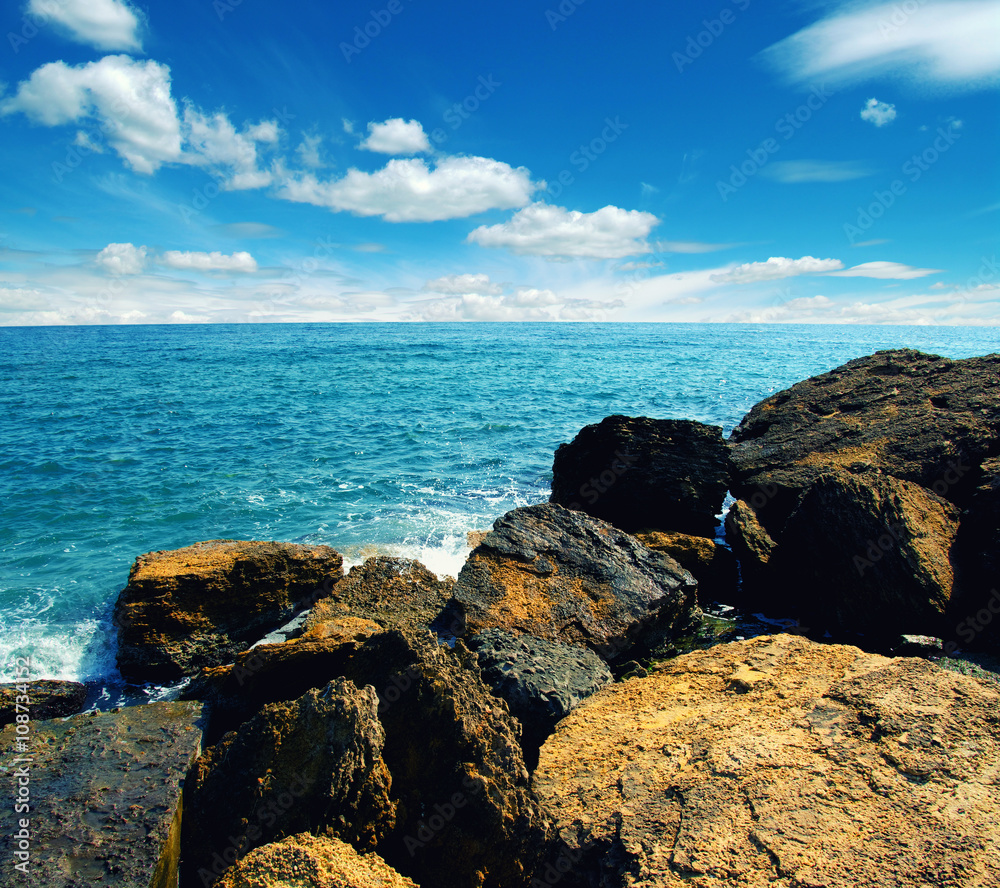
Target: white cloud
217, 144
893, 271
396, 136
460, 284
878, 113
103, 24
545, 230
953, 43
775, 268
691, 247
129, 100
182, 317
410, 191
18, 299
308, 152
122, 259
795, 172
214, 261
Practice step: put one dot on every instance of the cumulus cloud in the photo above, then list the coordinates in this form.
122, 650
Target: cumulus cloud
878, 113
952, 43
122, 259
555, 232
795, 172
775, 268
396, 136
214, 261
886, 271
233, 154
459, 284
411, 191
103, 24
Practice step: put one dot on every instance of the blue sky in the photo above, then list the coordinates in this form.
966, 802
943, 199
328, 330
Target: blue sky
250, 161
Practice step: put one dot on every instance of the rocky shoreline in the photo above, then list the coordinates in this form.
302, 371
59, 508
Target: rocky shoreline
571, 709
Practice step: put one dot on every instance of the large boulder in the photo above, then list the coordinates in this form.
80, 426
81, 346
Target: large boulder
640, 473
777, 761
305, 860
309, 765
542, 681
711, 564
752, 547
396, 593
565, 576
201, 605
41, 699
102, 797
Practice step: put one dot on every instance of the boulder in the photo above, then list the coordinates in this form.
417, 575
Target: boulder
867, 553
312, 764
641, 473
712, 565
753, 548
565, 576
201, 605
542, 681
396, 593
306, 860
777, 761
44, 699
917, 417
103, 796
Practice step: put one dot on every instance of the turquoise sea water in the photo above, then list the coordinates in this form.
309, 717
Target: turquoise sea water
116, 441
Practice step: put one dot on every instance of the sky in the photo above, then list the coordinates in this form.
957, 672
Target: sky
220, 161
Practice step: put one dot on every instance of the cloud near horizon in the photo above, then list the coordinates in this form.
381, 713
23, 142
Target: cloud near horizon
776, 268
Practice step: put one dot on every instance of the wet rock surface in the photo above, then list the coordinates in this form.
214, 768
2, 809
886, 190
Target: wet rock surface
639, 473
43, 699
306, 860
202, 605
542, 681
778, 761
104, 796
565, 576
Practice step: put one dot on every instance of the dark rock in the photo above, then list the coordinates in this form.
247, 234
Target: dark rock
309, 765
712, 565
307, 860
868, 554
201, 605
565, 576
45, 699
104, 796
640, 473
396, 593
542, 681
753, 548
777, 761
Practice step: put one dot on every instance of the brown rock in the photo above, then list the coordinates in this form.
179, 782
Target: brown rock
752, 546
713, 566
396, 593
781, 762
201, 605
639, 473
307, 861
43, 699
312, 764
564, 576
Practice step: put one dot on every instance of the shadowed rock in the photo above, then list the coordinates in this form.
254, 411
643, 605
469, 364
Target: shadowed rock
713, 566
753, 548
778, 761
640, 473
44, 699
565, 576
201, 605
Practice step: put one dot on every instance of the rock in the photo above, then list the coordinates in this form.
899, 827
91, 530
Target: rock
778, 761
396, 593
640, 473
103, 795
868, 554
45, 699
752, 546
713, 566
201, 605
917, 417
565, 576
305, 860
542, 681
311, 764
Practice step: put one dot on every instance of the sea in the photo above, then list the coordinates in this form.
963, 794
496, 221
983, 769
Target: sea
371, 438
